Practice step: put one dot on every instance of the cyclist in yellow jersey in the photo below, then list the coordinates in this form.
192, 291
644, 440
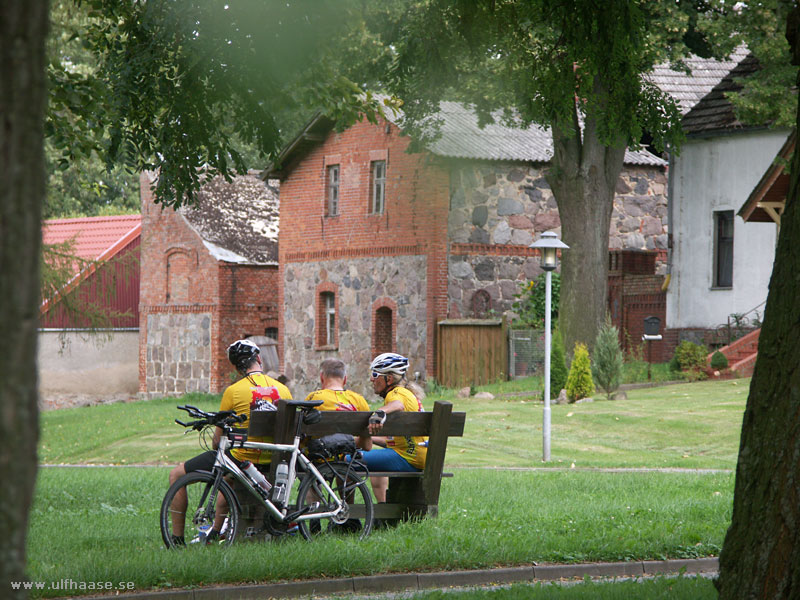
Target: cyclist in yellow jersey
404, 453
334, 396
255, 391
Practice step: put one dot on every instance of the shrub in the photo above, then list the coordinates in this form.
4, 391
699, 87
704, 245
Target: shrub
691, 358
558, 364
674, 365
719, 361
530, 301
607, 358
579, 380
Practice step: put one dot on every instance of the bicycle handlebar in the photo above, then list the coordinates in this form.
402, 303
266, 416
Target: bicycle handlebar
220, 419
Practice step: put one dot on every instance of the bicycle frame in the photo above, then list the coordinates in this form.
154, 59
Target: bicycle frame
223, 464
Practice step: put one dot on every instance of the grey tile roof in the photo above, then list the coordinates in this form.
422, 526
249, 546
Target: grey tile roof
689, 88
237, 221
715, 112
462, 138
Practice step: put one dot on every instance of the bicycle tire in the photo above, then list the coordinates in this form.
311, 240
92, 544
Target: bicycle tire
350, 486
201, 511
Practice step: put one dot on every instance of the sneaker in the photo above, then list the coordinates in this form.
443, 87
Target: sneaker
177, 541
211, 537
349, 526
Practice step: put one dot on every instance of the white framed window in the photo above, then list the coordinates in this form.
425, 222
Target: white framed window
378, 177
329, 310
723, 249
333, 191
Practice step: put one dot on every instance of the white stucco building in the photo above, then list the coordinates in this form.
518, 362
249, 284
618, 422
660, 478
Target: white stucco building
719, 265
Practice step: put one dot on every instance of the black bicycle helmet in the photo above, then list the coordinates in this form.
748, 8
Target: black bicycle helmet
242, 353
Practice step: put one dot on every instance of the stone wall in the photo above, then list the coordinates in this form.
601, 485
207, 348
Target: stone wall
498, 209
358, 283
178, 348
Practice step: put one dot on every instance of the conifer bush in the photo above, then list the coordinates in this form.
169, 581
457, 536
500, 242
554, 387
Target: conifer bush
719, 361
607, 359
579, 380
558, 364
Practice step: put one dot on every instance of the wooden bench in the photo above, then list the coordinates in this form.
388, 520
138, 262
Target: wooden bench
410, 495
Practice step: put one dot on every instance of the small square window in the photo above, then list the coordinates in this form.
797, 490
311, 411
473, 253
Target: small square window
332, 204
378, 176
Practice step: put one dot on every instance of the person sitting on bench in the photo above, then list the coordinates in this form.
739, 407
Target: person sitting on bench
400, 453
334, 396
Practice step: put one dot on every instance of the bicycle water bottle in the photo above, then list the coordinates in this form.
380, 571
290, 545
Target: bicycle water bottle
256, 475
281, 481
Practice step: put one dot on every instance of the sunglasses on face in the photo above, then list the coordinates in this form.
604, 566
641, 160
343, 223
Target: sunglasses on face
375, 375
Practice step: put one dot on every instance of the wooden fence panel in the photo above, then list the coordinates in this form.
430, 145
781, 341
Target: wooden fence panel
471, 351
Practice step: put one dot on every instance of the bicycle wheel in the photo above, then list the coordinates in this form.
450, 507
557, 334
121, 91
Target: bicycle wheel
189, 527
351, 487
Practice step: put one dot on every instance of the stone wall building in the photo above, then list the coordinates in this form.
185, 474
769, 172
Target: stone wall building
209, 277
377, 244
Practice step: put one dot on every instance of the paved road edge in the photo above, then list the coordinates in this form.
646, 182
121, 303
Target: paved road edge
400, 582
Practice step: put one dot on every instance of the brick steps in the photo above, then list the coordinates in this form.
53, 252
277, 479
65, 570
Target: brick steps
742, 353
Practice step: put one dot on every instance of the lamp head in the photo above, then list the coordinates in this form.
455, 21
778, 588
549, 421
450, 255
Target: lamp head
549, 244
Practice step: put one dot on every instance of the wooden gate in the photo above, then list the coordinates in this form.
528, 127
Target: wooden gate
471, 351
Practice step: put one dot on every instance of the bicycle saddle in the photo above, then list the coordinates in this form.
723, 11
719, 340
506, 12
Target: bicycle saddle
303, 405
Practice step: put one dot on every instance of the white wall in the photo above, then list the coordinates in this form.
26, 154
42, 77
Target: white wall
89, 363
709, 175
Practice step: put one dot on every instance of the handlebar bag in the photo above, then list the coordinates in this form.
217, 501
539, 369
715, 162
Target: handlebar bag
331, 446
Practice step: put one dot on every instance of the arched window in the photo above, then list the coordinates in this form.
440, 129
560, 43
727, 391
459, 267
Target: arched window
327, 325
383, 330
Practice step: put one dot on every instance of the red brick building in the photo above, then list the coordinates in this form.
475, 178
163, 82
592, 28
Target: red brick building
377, 245
209, 277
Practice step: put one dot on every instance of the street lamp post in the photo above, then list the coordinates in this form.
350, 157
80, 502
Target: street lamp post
549, 244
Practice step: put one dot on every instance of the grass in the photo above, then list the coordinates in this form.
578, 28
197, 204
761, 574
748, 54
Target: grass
662, 588
101, 524
692, 425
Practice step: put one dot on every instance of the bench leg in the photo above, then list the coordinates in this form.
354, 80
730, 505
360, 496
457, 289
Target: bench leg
409, 493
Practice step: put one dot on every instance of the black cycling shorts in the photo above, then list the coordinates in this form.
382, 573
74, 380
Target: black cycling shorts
205, 461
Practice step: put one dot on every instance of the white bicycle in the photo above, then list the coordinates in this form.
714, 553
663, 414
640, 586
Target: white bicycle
332, 496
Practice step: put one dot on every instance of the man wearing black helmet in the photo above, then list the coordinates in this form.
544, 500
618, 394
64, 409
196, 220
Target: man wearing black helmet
255, 391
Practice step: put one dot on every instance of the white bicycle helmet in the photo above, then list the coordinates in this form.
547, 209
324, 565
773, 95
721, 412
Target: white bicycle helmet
242, 353
389, 363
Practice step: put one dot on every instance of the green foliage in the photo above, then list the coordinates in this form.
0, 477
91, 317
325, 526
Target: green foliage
674, 365
579, 380
691, 358
607, 359
719, 360
190, 89
558, 364
530, 301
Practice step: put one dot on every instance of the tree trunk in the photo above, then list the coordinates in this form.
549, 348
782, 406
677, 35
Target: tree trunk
761, 554
23, 27
583, 176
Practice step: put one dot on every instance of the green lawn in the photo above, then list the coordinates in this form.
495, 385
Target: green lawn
101, 524
692, 425
681, 588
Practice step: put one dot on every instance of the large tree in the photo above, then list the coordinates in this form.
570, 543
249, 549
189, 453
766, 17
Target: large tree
23, 28
577, 66
174, 86
761, 554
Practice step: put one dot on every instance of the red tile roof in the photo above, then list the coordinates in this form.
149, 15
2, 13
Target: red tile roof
93, 236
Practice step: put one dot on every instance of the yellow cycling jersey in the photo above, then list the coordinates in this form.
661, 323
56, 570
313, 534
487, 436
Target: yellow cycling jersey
338, 400
413, 449
254, 392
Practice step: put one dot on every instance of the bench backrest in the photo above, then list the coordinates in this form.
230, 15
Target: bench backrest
279, 423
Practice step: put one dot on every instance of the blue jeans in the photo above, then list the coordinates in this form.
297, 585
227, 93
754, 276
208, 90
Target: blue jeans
385, 459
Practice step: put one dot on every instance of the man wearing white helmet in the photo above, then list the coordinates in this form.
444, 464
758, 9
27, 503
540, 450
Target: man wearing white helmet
404, 453
255, 391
